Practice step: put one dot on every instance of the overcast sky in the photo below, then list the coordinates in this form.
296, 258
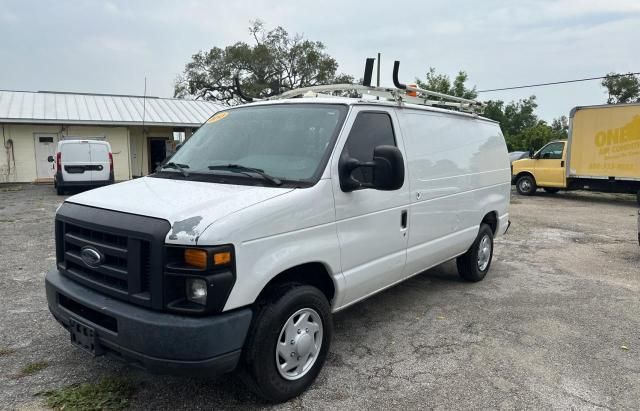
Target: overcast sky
110, 46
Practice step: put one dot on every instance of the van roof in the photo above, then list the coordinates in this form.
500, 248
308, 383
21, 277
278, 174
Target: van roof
369, 102
576, 108
63, 142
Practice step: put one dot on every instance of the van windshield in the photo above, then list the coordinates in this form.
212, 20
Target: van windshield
287, 142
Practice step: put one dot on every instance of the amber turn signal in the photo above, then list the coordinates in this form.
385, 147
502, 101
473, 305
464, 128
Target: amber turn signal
196, 258
222, 258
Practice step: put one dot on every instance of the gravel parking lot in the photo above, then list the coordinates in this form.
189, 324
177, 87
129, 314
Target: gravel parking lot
554, 325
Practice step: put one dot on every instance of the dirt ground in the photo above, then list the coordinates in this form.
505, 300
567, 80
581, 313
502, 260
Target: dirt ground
554, 325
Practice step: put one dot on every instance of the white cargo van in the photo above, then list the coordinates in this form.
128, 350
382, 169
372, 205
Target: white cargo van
270, 218
82, 163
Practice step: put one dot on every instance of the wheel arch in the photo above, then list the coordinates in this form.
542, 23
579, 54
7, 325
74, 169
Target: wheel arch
525, 173
315, 274
491, 219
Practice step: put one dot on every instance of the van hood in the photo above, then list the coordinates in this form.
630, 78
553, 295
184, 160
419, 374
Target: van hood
189, 206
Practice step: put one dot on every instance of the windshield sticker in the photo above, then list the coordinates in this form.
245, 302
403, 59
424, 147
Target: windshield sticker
218, 117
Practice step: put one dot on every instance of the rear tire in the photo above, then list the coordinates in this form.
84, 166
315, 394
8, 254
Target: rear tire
296, 319
59, 190
551, 190
526, 185
475, 263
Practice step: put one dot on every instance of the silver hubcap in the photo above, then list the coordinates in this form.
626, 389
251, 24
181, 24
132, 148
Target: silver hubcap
525, 185
299, 344
484, 253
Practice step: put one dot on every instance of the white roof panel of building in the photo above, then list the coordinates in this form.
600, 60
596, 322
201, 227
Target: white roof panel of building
77, 108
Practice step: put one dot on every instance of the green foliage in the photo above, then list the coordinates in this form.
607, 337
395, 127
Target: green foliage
274, 63
32, 368
522, 128
441, 83
532, 138
110, 393
622, 89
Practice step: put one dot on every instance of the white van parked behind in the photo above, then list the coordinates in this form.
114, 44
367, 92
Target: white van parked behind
82, 163
272, 216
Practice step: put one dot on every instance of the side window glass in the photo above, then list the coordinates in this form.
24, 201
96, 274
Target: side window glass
552, 151
369, 131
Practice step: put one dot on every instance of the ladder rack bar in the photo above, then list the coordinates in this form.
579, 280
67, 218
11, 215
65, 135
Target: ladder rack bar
393, 94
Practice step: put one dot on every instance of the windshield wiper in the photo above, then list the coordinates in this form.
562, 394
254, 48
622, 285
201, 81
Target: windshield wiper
176, 166
237, 168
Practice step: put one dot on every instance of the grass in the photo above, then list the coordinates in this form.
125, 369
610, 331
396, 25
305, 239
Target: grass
6, 351
32, 368
110, 393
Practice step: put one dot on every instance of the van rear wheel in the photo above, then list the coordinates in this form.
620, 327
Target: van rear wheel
475, 263
526, 185
288, 342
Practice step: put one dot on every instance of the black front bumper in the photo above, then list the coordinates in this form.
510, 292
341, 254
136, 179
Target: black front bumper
156, 341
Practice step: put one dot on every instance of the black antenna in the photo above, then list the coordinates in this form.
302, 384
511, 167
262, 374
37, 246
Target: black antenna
368, 71
378, 67
396, 69
236, 83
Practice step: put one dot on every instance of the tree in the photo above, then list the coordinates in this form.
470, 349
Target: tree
522, 128
560, 127
274, 63
442, 84
622, 88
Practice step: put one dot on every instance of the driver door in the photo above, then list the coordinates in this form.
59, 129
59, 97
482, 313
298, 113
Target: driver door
550, 165
372, 224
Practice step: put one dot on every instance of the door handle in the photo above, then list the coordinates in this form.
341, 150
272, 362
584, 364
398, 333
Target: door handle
562, 163
403, 219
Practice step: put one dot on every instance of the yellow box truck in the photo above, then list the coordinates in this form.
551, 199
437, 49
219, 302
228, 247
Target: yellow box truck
601, 154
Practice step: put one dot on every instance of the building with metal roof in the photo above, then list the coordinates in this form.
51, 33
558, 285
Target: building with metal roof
32, 123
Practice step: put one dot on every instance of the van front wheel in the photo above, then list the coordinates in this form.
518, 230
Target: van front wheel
288, 342
526, 186
474, 264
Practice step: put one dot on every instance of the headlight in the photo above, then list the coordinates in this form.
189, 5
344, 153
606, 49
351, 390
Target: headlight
198, 258
196, 290
198, 280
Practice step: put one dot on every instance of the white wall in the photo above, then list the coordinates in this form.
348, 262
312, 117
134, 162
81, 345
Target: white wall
130, 148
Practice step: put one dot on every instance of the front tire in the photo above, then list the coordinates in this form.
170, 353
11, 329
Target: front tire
475, 263
526, 185
288, 342
59, 190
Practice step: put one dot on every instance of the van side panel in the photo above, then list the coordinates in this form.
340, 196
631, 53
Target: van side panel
459, 171
605, 142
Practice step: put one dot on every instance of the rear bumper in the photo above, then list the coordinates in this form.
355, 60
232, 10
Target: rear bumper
60, 182
503, 224
156, 341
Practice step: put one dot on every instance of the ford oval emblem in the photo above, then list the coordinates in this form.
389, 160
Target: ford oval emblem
91, 256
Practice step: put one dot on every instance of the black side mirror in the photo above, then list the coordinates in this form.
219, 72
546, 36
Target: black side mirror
178, 147
387, 170
50, 159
